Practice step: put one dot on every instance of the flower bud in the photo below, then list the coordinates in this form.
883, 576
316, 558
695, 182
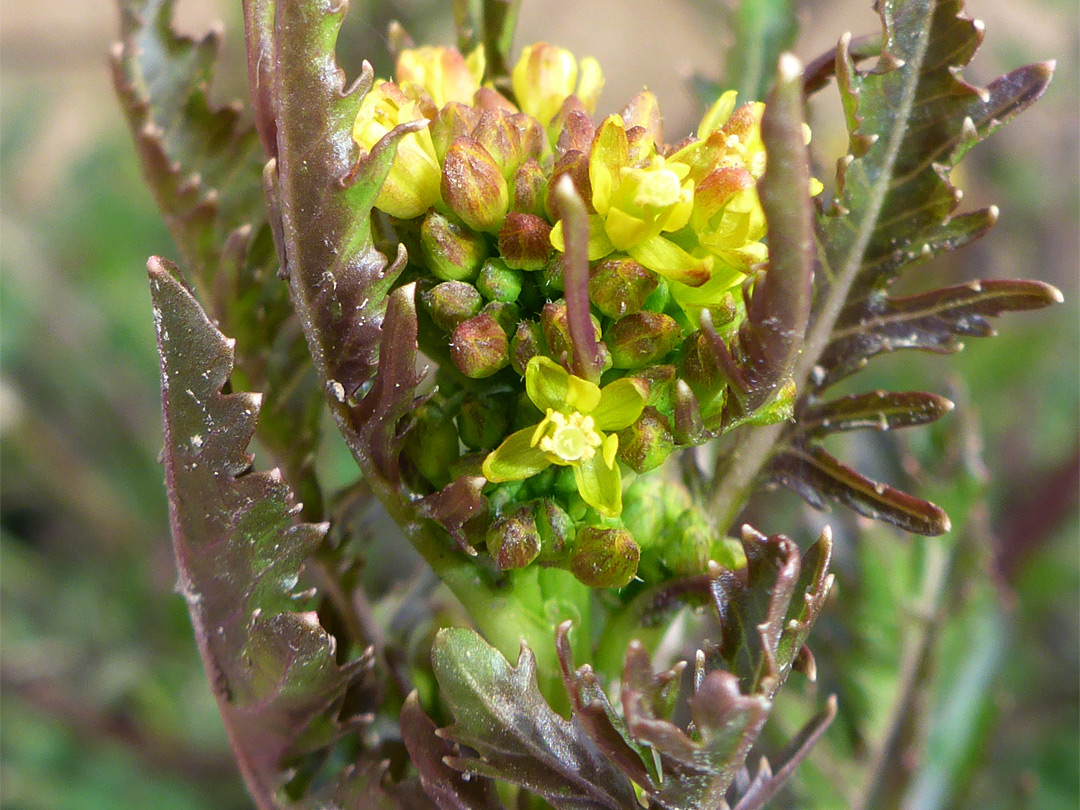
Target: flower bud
499, 135
452, 302
686, 417
527, 343
641, 339
645, 444
479, 347
451, 252
531, 135
505, 313
620, 286
497, 282
643, 509
529, 189
512, 539
556, 532
556, 325
643, 110
413, 183
577, 133
542, 79
450, 123
575, 164
473, 185
443, 73
685, 547
699, 367
605, 558
432, 445
524, 242
482, 422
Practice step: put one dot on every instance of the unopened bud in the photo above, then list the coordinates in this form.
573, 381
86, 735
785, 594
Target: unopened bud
576, 165
620, 286
482, 422
497, 282
645, 444
556, 531
531, 135
452, 302
685, 548
524, 241
499, 135
451, 252
450, 123
506, 314
529, 189
577, 133
528, 342
556, 325
643, 110
605, 558
512, 540
699, 367
432, 445
473, 185
641, 339
479, 347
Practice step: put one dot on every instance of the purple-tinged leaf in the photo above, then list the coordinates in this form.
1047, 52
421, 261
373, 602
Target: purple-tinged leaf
818, 478
449, 789
874, 410
360, 337
261, 58
930, 321
500, 713
239, 550
778, 309
767, 784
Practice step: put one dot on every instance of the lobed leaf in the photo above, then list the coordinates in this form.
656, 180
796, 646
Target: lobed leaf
239, 550
875, 410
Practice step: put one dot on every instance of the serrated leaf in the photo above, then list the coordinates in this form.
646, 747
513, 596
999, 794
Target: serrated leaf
361, 341
239, 550
930, 321
820, 479
499, 713
874, 410
449, 789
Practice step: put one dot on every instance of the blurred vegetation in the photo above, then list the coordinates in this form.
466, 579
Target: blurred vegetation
105, 703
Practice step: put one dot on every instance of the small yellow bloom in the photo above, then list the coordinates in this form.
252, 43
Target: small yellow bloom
571, 434
412, 186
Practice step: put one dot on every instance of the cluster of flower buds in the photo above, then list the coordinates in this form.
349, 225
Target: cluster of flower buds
674, 231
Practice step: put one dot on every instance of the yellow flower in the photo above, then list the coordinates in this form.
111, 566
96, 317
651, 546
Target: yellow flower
571, 434
545, 76
443, 73
412, 186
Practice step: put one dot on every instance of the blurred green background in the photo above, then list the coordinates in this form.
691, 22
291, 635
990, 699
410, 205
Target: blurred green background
103, 701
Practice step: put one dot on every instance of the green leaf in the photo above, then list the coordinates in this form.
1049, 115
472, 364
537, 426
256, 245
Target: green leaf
239, 551
500, 713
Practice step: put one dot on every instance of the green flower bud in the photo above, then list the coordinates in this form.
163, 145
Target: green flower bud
531, 135
659, 298
479, 347
512, 540
503, 495
499, 135
498, 282
528, 342
432, 445
529, 189
451, 252
524, 242
556, 532
641, 339
452, 302
551, 281
645, 444
685, 548
556, 326
473, 185
661, 382
699, 367
620, 286
605, 558
452, 122
643, 509
687, 422
505, 314
482, 422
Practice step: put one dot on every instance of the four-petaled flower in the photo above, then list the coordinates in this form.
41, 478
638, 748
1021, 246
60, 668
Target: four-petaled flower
572, 433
